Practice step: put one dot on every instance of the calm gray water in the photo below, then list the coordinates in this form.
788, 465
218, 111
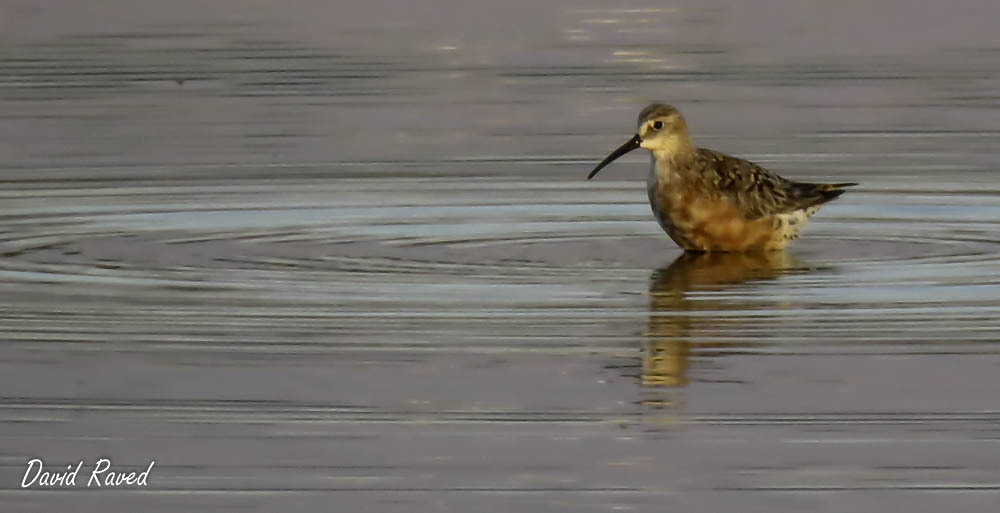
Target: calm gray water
311, 257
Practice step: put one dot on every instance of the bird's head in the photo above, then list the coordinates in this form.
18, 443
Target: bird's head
661, 129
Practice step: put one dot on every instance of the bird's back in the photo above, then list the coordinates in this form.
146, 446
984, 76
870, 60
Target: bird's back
722, 203
756, 191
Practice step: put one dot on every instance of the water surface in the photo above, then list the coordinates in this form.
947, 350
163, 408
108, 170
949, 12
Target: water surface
345, 258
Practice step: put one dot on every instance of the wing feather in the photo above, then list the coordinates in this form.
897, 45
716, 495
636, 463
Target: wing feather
758, 192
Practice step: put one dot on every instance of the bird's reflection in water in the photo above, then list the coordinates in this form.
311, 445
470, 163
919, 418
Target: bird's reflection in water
674, 313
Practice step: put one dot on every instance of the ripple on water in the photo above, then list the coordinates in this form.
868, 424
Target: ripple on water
344, 259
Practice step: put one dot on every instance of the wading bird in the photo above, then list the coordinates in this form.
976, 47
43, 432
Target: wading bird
710, 201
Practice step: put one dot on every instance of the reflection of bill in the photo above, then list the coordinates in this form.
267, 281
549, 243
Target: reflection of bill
667, 343
100, 476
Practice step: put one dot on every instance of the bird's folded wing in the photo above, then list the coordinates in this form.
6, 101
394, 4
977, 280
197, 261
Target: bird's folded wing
758, 192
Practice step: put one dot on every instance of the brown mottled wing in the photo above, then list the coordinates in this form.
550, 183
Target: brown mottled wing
758, 192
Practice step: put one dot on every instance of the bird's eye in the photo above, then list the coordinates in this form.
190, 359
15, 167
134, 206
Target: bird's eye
657, 125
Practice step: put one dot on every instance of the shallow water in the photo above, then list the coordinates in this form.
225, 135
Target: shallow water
332, 258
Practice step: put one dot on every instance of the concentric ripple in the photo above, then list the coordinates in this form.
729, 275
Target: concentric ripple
391, 261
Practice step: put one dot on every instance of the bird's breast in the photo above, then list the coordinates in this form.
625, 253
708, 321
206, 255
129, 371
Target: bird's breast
699, 219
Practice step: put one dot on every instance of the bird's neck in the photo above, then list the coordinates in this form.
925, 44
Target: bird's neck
677, 149
676, 158
670, 165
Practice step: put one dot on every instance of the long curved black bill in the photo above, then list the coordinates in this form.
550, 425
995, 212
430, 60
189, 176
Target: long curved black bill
632, 144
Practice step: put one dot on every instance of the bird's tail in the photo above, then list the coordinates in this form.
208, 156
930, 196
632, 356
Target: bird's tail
813, 194
831, 191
